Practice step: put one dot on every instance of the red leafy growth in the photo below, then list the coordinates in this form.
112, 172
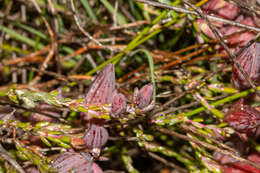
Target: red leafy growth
241, 167
101, 90
214, 5
119, 104
222, 8
250, 62
229, 11
95, 136
243, 118
144, 96
75, 162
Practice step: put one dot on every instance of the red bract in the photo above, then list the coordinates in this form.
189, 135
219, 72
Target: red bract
95, 136
229, 11
243, 118
222, 8
101, 90
119, 104
144, 97
250, 62
239, 39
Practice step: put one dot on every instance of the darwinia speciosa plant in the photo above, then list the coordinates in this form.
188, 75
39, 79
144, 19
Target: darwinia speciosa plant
102, 92
205, 120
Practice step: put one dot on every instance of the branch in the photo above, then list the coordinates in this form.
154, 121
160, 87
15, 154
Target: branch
7, 157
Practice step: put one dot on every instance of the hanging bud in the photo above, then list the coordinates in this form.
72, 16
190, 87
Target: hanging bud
144, 96
72, 162
95, 136
119, 104
250, 62
243, 118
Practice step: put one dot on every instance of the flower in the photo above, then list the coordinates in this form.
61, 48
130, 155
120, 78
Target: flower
95, 136
119, 104
250, 62
144, 97
243, 118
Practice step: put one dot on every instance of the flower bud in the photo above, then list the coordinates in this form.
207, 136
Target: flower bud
144, 96
243, 118
119, 104
95, 136
101, 90
250, 62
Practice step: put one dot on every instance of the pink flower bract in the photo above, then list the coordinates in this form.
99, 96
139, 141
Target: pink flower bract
101, 90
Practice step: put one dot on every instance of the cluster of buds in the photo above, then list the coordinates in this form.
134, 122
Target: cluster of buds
102, 91
101, 102
243, 118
